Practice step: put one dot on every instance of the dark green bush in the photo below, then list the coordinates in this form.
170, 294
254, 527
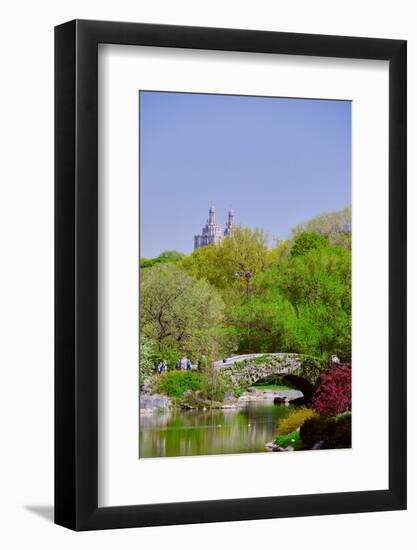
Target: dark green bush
317, 429
334, 432
342, 435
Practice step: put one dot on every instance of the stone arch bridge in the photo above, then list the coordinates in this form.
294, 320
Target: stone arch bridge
244, 370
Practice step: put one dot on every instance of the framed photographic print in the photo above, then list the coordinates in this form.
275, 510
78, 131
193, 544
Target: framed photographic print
230, 244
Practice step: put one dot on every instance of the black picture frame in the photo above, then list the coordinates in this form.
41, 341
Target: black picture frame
76, 273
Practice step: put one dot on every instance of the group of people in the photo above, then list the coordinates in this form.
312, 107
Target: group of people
182, 364
162, 367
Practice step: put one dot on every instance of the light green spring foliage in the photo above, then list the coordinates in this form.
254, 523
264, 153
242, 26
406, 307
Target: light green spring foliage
146, 362
246, 250
180, 312
306, 242
302, 304
167, 257
300, 295
334, 226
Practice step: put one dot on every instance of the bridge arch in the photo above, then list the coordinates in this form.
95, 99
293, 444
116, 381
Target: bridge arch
244, 370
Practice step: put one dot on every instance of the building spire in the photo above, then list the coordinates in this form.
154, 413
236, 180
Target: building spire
230, 224
212, 215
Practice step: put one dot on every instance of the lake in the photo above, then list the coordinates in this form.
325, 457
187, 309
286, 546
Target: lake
214, 431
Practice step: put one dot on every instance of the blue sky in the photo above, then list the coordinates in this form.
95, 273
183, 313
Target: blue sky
276, 161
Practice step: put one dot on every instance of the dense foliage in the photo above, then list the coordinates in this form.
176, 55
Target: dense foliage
334, 226
182, 314
193, 388
296, 298
167, 257
306, 242
331, 432
176, 383
302, 304
333, 394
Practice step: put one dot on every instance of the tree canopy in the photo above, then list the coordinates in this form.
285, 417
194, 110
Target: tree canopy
299, 299
169, 256
334, 226
305, 242
180, 312
246, 250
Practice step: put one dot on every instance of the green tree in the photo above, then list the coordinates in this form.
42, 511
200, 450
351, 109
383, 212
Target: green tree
321, 275
335, 226
263, 323
245, 250
175, 308
304, 242
169, 256
203, 263
303, 305
318, 285
279, 252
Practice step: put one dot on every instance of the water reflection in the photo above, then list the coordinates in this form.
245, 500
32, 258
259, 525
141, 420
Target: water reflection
181, 433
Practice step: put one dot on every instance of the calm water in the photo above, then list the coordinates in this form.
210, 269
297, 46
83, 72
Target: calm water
180, 433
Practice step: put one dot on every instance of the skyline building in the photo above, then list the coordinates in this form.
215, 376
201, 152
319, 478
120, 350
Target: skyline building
211, 232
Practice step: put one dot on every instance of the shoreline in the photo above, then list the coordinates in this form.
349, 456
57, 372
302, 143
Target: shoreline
157, 403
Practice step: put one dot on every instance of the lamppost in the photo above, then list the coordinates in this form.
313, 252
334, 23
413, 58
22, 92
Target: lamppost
248, 276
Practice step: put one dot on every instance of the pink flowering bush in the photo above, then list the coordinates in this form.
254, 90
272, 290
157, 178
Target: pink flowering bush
333, 394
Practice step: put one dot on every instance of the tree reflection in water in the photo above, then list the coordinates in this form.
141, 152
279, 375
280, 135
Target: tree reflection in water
229, 431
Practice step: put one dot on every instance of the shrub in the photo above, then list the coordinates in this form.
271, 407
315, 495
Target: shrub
335, 433
295, 419
341, 438
209, 386
317, 429
175, 383
197, 399
333, 394
214, 385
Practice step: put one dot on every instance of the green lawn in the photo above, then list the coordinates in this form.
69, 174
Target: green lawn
272, 387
